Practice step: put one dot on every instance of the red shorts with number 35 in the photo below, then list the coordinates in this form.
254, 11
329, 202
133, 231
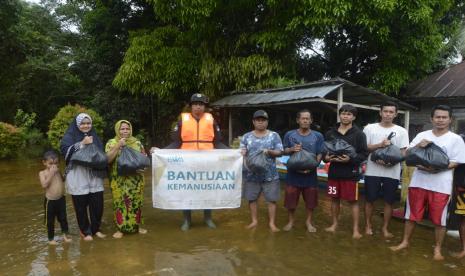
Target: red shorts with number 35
343, 189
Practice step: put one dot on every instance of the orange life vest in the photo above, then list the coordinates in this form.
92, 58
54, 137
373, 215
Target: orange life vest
197, 134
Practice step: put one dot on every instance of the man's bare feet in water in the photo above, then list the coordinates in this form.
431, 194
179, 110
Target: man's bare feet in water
118, 235
459, 255
331, 229
310, 227
288, 227
387, 234
100, 235
88, 238
369, 231
142, 231
273, 228
356, 235
252, 225
52, 242
402, 245
66, 239
437, 256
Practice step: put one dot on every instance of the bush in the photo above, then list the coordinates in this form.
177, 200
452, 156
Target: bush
64, 117
26, 124
25, 120
34, 137
11, 140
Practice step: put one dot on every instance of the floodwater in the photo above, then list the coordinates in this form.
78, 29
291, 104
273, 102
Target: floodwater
228, 250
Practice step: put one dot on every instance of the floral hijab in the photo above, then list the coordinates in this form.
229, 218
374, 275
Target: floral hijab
131, 141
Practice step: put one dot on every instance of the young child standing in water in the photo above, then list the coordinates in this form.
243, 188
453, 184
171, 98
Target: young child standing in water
54, 202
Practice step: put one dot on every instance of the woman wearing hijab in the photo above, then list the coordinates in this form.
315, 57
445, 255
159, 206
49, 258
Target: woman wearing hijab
128, 191
84, 184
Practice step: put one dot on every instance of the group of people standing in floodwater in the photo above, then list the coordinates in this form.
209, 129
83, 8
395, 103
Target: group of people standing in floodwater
429, 189
85, 185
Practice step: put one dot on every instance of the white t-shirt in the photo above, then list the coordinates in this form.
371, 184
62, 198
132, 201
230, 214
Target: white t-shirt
453, 145
375, 134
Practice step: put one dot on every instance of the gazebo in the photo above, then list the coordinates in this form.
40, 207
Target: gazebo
322, 97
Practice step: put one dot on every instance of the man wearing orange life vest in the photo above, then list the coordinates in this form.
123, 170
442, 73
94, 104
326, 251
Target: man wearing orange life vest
197, 131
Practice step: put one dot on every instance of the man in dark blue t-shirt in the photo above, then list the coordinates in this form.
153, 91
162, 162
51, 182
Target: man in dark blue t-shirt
302, 182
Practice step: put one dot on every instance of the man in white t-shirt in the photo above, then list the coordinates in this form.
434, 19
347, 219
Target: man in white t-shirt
429, 188
380, 176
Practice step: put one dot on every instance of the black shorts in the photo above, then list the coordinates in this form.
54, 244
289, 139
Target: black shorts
374, 185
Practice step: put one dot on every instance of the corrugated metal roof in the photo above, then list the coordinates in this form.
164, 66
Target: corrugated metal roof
270, 97
353, 93
449, 82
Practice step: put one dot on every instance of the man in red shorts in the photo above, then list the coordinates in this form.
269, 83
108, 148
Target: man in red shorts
343, 173
302, 182
430, 189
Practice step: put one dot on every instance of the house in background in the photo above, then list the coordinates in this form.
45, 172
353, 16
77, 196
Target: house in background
443, 87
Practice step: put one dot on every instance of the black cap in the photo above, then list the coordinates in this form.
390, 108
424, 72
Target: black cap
260, 114
199, 98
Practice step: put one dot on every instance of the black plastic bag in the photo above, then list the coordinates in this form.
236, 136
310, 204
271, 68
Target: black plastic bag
390, 155
90, 156
257, 162
130, 161
340, 147
301, 161
431, 156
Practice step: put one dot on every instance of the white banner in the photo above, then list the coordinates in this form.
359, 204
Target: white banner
191, 179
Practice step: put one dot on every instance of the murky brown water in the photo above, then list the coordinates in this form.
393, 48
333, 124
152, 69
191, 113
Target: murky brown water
228, 250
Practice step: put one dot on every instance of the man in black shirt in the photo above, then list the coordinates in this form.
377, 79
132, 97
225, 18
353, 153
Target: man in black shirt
459, 187
343, 173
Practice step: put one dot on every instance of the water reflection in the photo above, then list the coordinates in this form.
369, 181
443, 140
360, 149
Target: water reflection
200, 262
228, 250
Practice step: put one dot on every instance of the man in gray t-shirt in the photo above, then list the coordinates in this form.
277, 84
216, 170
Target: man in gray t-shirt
262, 141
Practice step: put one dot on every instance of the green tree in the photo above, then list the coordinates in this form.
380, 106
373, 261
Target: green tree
216, 46
382, 44
453, 50
42, 80
141, 59
9, 44
209, 46
10, 55
102, 38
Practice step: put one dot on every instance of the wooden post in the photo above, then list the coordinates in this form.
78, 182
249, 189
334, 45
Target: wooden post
340, 101
407, 120
230, 129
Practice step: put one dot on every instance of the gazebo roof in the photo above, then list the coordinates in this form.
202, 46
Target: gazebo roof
320, 91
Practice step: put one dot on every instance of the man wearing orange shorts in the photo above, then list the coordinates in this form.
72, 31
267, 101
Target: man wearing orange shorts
430, 189
343, 173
